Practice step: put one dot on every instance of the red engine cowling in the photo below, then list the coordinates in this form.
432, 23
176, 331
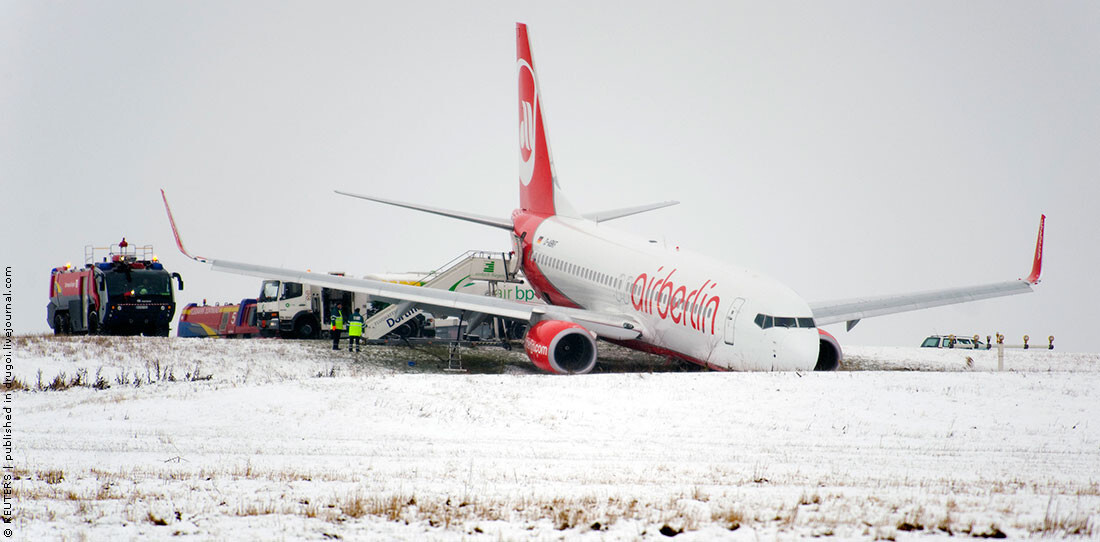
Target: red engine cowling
828, 353
560, 347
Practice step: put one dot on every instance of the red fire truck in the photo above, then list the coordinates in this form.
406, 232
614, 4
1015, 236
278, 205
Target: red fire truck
227, 320
127, 293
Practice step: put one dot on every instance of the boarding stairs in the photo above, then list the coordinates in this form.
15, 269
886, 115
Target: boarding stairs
466, 270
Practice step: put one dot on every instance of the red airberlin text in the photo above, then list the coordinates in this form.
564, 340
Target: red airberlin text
663, 297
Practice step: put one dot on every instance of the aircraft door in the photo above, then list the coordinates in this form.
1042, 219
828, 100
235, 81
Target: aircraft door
517, 256
731, 318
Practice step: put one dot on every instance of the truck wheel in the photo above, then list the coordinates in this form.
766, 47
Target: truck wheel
305, 329
93, 322
408, 329
58, 324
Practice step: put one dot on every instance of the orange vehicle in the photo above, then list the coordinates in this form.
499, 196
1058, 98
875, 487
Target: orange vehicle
237, 320
127, 293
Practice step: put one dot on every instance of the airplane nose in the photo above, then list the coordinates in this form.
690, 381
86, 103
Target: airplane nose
798, 351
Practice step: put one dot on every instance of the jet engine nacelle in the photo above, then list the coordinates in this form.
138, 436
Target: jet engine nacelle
828, 353
560, 347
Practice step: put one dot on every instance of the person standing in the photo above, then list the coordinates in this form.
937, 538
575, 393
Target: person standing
355, 330
336, 323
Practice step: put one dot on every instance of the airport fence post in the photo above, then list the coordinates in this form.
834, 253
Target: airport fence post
1000, 352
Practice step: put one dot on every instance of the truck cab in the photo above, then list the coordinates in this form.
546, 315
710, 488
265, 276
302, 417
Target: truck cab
302, 311
127, 293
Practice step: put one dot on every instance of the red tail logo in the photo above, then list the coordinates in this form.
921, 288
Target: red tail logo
528, 104
536, 173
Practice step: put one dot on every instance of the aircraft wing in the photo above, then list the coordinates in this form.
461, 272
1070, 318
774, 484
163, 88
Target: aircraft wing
854, 310
611, 326
604, 325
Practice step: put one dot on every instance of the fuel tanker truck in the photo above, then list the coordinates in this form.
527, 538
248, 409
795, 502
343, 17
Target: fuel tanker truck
128, 292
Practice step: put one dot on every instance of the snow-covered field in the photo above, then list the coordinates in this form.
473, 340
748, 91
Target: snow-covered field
269, 439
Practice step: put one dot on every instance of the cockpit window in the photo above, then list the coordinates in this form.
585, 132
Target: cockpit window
765, 321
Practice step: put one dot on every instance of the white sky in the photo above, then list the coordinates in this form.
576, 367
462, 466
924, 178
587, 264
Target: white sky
848, 148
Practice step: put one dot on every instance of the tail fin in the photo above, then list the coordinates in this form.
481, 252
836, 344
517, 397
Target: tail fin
538, 187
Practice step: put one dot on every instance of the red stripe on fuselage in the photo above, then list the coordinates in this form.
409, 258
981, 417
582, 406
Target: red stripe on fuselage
524, 226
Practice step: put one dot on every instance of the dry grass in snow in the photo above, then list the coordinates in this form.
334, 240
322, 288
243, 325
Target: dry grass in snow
290, 440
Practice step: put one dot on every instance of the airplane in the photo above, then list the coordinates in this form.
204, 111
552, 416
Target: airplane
598, 283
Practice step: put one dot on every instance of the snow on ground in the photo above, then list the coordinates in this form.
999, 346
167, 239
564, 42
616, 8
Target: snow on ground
269, 439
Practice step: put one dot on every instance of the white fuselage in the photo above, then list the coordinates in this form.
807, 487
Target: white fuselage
689, 306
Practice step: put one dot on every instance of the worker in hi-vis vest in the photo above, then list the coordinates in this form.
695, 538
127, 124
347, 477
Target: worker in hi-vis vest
336, 321
355, 330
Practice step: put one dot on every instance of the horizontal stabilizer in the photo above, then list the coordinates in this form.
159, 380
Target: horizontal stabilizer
612, 214
502, 223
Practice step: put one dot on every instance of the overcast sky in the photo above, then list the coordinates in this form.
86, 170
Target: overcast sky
844, 148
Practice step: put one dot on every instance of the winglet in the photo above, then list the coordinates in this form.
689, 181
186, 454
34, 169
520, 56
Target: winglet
176, 232
1037, 265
